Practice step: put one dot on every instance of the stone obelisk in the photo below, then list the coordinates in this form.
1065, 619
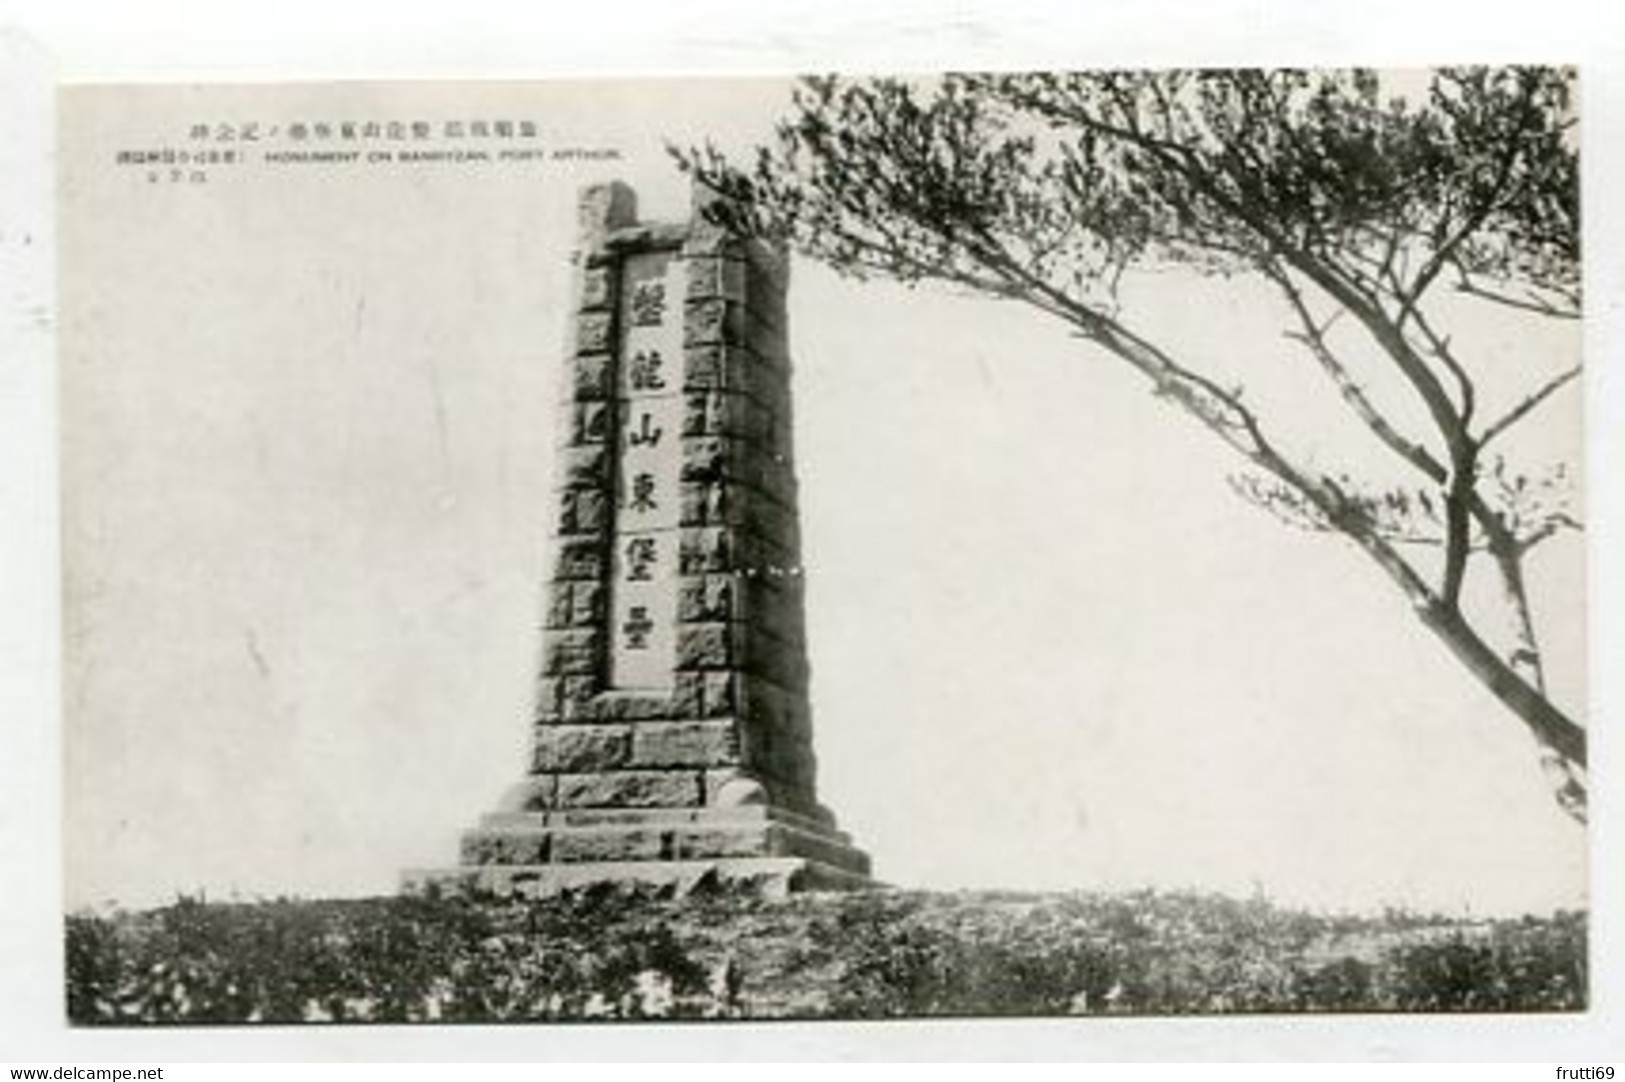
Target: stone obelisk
672, 737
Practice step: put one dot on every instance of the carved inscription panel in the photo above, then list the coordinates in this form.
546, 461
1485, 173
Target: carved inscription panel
649, 412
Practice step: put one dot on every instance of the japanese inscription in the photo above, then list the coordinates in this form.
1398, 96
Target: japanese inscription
649, 409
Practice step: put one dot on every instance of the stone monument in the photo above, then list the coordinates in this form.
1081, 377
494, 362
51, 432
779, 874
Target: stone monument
672, 742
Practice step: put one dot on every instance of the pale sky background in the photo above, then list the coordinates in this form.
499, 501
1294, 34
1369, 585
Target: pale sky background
308, 422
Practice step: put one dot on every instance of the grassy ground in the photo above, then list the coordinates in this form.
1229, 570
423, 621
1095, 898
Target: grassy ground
884, 954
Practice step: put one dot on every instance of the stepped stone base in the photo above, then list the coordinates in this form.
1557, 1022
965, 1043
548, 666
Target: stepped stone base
770, 851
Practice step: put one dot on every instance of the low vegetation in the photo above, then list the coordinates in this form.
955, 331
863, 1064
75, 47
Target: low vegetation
608, 954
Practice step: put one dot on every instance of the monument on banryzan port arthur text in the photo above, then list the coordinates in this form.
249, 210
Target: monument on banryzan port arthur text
672, 741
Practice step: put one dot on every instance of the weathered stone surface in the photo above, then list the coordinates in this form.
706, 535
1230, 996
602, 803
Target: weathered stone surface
688, 694
586, 603
718, 276
726, 413
592, 376
730, 503
734, 368
704, 646
627, 706
719, 842
536, 793
584, 511
597, 289
584, 845
766, 877
576, 695
685, 743
584, 467
704, 597
706, 550
711, 459
558, 606
581, 748
549, 704
487, 848
603, 208
730, 789
647, 236
593, 332
586, 422
578, 558
574, 605
573, 652
629, 789
721, 694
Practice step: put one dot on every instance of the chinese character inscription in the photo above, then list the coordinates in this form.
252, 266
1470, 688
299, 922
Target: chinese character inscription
649, 409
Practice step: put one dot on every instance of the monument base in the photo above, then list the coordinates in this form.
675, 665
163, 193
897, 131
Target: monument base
765, 850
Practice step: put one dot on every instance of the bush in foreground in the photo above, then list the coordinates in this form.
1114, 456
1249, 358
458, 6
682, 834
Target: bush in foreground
610, 954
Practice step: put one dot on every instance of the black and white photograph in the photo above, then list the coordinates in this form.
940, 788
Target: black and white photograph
619, 554
1044, 543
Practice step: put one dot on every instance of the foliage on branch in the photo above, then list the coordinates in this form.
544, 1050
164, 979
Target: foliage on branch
1353, 196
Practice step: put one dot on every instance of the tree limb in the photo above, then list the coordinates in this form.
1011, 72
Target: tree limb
1523, 409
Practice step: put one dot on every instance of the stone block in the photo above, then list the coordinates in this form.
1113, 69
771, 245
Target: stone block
581, 748
602, 209
587, 422
704, 646
576, 696
590, 845
697, 843
585, 467
731, 503
685, 743
592, 376
482, 847
584, 510
586, 603
630, 789
717, 368
708, 459
549, 704
702, 503
726, 413
593, 332
558, 606
538, 792
597, 289
715, 276
624, 706
571, 653
712, 459
578, 558
721, 697
705, 550
688, 694
702, 597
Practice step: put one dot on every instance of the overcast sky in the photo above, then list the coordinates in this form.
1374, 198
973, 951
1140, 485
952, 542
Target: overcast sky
309, 421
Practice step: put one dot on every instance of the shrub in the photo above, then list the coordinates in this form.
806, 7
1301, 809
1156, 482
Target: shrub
619, 954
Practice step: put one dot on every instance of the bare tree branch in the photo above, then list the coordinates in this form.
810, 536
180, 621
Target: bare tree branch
1523, 409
